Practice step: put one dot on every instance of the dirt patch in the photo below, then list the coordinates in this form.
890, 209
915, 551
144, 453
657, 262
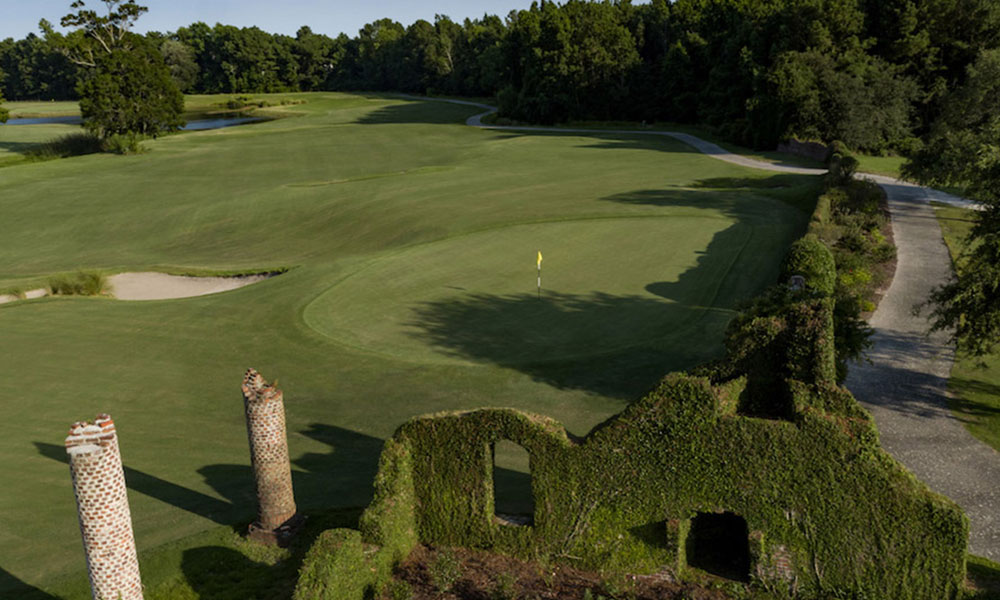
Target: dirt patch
487, 576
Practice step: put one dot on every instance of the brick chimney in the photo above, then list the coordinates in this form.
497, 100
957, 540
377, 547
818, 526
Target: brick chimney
277, 518
102, 505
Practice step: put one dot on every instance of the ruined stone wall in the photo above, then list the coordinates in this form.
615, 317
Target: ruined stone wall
102, 505
265, 415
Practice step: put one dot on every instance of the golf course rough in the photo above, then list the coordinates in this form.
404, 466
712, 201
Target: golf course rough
399, 192
827, 512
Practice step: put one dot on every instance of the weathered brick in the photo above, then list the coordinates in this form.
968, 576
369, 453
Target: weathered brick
102, 506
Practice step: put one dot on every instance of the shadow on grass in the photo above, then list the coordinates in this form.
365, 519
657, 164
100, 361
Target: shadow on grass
416, 112
524, 332
339, 477
964, 389
247, 570
614, 345
18, 147
984, 577
12, 587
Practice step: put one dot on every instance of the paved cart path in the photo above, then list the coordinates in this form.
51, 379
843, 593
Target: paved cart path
905, 385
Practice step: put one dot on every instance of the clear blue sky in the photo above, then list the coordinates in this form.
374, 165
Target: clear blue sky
20, 17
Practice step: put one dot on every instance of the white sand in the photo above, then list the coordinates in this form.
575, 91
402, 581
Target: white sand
160, 286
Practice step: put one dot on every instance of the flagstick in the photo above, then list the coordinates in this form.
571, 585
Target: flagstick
539, 282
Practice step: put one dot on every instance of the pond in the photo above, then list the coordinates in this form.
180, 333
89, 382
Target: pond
195, 125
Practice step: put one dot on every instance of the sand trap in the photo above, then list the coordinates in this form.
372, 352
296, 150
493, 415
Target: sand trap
160, 286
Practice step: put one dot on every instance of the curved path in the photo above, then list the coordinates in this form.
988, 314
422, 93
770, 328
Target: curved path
905, 384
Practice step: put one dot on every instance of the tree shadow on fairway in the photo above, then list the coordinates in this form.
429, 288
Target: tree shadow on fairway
551, 338
621, 345
12, 587
418, 111
341, 477
18, 147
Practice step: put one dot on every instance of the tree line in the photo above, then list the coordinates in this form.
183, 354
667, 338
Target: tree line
872, 73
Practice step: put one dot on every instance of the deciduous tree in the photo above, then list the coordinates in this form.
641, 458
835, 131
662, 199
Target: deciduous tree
127, 88
963, 150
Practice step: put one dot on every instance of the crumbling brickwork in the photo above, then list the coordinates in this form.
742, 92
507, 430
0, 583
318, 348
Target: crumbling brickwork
102, 505
265, 413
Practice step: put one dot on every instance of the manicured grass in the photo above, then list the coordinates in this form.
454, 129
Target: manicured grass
42, 108
890, 166
15, 140
975, 383
411, 240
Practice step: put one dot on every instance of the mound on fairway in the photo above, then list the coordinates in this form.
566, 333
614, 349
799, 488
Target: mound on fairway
413, 241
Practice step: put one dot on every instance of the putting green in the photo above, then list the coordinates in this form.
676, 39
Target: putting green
608, 284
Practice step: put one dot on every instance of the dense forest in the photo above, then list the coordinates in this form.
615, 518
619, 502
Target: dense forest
871, 73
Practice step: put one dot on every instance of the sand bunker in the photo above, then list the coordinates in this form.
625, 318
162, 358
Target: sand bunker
160, 286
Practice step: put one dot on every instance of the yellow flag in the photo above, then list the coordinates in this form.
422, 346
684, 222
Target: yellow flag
539, 259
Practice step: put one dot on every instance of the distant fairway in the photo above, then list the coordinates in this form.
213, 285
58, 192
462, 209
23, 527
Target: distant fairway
411, 240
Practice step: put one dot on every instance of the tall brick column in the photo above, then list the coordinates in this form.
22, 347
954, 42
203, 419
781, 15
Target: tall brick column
102, 505
277, 519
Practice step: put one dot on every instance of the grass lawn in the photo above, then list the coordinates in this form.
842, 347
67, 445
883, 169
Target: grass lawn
975, 384
411, 240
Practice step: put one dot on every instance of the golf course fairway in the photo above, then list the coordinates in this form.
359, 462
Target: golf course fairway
410, 242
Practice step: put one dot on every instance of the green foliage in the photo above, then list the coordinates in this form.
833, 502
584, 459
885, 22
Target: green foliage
398, 589
504, 587
819, 487
962, 151
842, 170
810, 258
335, 568
850, 96
445, 570
849, 220
180, 59
83, 283
73, 144
130, 92
4, 113
868, 73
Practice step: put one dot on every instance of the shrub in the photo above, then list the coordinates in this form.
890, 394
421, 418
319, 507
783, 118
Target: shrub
504, 588
842, 170
837, 149
83, 283
335, 568
810, 258
398, 589
123, 143
445, 570
73, 144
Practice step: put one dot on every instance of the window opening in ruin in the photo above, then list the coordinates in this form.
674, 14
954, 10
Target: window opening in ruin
513, 501
719, 543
